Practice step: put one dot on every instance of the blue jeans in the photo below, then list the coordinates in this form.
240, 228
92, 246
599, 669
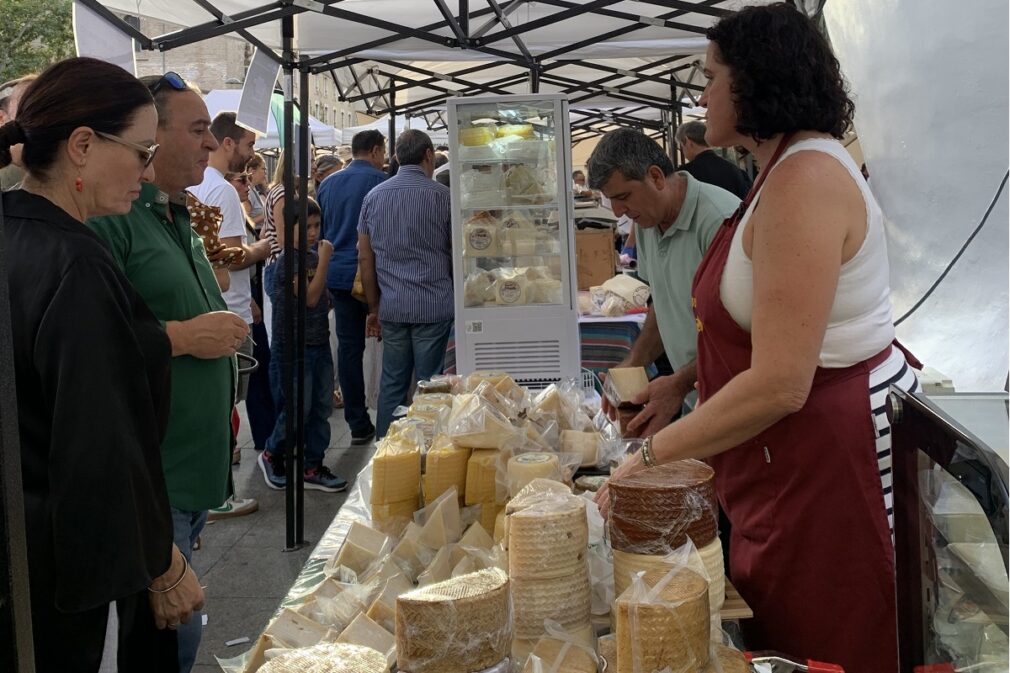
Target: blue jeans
186, 525
317, 393
410, 352
259, 402
349, 317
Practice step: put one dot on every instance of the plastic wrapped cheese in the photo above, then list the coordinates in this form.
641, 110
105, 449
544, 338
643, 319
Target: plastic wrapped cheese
586, 444
365, 632
362, 546
475, 423
556, 655
521, 130
545, 291
478, 288
548, 536
477, 135
328, 658
634, 292
445, 467
461, 625
512, 290
656, 510
440, 521
663, 621
481, 235
525, 467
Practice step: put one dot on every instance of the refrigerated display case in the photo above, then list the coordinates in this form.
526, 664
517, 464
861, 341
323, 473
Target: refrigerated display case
513, 237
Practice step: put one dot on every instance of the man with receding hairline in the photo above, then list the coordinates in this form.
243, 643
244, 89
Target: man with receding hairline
166, 262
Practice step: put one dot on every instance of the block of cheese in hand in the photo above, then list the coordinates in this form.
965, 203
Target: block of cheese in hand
624, 383
461, 625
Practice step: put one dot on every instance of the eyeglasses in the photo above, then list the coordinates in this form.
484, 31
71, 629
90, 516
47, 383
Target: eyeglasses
171, 79
242, 177
145, 153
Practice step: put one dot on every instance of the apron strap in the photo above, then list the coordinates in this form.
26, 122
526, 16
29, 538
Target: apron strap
752, 194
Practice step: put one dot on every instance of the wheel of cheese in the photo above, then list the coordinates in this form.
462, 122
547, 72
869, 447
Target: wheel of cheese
525, 467
625, 565
561, 656
668, 628
461, 625
656, 510
565, 600
549, 539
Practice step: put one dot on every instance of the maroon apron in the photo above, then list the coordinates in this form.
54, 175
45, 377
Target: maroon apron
810, 548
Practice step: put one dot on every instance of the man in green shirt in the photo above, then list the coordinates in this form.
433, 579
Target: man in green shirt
676, 217
166, 262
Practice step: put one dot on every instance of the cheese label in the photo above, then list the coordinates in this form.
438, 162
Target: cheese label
510, 291
481, 238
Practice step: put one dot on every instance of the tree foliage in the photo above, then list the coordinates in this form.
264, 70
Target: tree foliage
33, 35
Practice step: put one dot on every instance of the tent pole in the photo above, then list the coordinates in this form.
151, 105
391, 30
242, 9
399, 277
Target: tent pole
304, 155
535, 78
289, 299
392, 121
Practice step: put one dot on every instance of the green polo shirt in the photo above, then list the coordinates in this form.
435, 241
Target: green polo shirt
166, 263
667, 262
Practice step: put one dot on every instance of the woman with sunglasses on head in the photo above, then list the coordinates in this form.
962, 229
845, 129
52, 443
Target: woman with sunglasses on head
796, 353
92, 379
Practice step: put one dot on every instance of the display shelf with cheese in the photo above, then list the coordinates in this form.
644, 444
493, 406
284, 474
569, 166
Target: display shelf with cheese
513, 237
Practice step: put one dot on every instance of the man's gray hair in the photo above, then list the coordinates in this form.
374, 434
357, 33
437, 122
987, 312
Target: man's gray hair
412, 146
628, 151
693, 131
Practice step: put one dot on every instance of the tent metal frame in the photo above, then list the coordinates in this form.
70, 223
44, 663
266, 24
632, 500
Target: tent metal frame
378, 88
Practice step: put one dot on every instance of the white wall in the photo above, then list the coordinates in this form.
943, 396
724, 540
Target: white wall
930, 84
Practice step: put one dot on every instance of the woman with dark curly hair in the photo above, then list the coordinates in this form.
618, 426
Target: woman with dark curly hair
795, 354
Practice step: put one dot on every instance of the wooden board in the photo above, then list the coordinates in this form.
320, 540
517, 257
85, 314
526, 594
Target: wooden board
734, 606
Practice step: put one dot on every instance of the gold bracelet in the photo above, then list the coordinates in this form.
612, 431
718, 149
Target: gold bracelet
185, 569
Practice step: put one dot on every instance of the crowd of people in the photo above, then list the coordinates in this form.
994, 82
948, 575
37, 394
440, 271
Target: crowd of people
124, 196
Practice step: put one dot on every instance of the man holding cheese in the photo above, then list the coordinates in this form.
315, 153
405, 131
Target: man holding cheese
676, 217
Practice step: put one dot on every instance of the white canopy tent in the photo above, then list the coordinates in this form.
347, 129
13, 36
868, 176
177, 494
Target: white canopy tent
225, 100
439, 135
635, 63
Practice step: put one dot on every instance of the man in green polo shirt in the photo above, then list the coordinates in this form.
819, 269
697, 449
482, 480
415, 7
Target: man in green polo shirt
166, 262
676, 218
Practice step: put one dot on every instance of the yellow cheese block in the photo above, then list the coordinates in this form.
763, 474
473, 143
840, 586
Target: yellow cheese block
396, 473
445, 467
391, 518
477, 135
624, 383
482, 477
586, 444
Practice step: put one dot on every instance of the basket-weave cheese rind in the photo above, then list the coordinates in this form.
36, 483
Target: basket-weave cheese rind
670, 627
656, 510
729, 661
565, 600
458, 626
549, 539
328, 658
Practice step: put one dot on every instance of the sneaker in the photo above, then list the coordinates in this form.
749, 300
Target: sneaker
363, 439
273, 471
233, 507
321, 479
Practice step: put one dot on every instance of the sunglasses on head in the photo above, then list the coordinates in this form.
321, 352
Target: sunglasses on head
145, 153
170, 79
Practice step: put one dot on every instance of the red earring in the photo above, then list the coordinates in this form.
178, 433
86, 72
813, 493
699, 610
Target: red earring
79, 185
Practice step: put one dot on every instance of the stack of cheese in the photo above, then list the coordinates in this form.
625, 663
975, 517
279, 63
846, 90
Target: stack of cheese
483, 484
622, 385
396, 480
444, 468
547, 541
461, 625
656, 511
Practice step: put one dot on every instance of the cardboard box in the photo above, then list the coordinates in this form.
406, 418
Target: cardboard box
595, 256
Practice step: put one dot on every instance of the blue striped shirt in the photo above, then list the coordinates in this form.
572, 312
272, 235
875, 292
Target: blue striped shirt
408, 221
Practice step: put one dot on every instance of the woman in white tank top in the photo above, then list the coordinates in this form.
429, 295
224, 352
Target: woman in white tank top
795, 355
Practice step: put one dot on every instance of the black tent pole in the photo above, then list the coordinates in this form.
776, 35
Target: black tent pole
303, 215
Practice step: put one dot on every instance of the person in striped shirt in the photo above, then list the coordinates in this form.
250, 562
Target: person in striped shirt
405, 254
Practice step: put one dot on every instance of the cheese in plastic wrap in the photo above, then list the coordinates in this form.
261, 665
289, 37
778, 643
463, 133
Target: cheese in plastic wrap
656, 510
475, 424
461, 625
328, 658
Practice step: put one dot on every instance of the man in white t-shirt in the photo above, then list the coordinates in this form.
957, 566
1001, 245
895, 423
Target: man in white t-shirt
236, 146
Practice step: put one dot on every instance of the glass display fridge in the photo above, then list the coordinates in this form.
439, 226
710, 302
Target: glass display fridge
513, 237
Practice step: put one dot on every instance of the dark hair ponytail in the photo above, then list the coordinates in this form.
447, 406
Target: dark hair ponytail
70, 94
